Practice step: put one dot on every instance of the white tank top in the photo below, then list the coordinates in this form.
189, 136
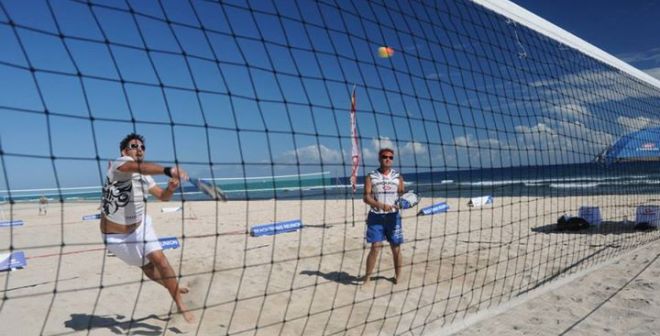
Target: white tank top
124, 198
384, 188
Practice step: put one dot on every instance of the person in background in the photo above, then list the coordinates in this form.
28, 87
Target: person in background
43, 205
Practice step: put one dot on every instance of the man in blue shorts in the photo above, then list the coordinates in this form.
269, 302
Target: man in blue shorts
382, 187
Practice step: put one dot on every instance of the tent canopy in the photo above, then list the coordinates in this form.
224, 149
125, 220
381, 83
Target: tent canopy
642, 145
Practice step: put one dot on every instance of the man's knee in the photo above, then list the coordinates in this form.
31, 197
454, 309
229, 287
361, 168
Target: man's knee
148, 268
376, 246
158, 259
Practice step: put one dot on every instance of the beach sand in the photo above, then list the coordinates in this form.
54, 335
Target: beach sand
619, 298
305, 282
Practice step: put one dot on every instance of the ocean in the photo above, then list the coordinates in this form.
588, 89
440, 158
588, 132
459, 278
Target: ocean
538, 181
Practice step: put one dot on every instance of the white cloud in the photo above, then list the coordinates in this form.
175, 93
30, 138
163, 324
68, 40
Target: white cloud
406, 149
486, 152
381, 142
595, 86
470, 142
546, 142
574, 111
654, 72
651, 55
413, 148
368, 154
465, 141
536, 129
312, 154
634, 124
563, 136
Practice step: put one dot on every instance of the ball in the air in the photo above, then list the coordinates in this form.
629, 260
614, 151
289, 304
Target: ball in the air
385, 52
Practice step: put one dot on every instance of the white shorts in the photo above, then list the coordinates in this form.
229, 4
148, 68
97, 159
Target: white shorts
133, 248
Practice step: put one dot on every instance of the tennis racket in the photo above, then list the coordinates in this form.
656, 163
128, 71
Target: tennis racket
209, 189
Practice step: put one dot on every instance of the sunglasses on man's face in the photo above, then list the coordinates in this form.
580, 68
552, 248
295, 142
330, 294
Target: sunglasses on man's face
386, 157
136, 146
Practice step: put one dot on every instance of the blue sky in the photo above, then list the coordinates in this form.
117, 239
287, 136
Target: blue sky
625, 29
264, 87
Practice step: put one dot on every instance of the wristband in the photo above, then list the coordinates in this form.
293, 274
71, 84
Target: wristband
167, 171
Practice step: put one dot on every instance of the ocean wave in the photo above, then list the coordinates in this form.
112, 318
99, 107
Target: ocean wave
574, 185
434, 183
635, 182
491, 183
641, 179
605, 184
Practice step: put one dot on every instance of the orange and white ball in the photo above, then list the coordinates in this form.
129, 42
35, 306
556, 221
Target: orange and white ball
385, 52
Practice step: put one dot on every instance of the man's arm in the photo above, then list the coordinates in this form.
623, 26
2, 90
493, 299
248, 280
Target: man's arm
165, 194
366, 196
148, 168
402, 186
176, 174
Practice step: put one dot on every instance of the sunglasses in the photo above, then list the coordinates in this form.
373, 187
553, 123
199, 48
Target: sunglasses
136, 146
385, 157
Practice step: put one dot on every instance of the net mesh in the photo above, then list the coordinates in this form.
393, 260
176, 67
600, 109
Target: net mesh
255, 96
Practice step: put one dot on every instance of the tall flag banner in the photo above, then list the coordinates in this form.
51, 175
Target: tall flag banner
355, 148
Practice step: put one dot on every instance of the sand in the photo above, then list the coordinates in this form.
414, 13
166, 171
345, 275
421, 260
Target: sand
619, 298
304, 283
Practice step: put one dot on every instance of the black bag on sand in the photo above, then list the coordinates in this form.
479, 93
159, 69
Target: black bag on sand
644, 226
565, 223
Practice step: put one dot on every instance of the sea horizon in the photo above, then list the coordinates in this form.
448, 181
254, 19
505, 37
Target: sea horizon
550, 180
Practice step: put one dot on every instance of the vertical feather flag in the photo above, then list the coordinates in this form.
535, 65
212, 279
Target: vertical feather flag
355, 149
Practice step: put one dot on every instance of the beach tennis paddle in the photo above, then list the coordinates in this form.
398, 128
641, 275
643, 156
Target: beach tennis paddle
407, 200
209, 189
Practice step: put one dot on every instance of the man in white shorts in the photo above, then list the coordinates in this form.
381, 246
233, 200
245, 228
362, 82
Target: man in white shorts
127, 229
382, 187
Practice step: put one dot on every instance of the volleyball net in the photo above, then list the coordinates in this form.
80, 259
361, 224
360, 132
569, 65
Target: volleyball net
495, 116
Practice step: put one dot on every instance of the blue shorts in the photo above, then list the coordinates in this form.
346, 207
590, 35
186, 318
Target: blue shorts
384, 226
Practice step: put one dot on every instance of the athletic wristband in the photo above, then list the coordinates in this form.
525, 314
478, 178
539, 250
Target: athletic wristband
167, 171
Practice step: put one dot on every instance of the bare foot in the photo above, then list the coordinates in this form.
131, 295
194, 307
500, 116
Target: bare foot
365, 281
188, 316
183, 310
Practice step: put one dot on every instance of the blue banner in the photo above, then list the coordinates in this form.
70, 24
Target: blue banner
12, 260
435, 208
8, 223
169, 243
275, 228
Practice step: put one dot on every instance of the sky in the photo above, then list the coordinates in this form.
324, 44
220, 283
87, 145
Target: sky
625, 29
254, 88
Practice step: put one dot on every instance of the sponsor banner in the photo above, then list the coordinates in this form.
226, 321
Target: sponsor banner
276, 228
480, 201
14, 260
92, 217
169, 243
8, 223
435, 208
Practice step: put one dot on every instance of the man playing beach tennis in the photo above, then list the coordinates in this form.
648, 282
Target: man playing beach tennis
127, 229
382, 188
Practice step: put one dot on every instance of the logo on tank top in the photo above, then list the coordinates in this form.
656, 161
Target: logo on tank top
115, 195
